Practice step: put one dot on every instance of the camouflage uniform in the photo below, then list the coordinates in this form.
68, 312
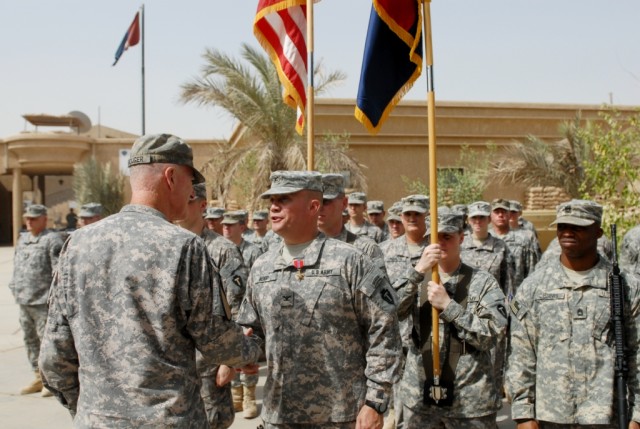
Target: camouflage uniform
365, 245
630, 250
480, 325
270, 239
522, 257
131, 310
34, 262
250, 253
368, 229
492, 255
561, 362
331, 333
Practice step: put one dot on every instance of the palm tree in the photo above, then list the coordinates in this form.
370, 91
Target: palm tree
266, 140
94, 182
537, 163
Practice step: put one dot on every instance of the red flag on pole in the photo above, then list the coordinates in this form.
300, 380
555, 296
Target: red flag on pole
281, 26
131, 37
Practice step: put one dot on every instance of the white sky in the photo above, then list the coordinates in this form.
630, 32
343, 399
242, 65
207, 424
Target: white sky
56, 55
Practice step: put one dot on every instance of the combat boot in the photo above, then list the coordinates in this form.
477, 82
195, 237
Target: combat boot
34, 387
236, 394
390, 421
249, 403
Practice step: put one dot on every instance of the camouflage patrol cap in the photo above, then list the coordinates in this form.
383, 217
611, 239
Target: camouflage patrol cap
395, 211
461, 209
357, 198
479, 208
515, 206
200, 191
165, 148
375, 207
449, 222
332, 186
499, 203
214, 213
90, 210
35, 210
260, 215
578, 212
415, 203
289, 182
231, 218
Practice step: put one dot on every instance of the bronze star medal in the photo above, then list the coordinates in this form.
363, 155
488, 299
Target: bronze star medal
299, 264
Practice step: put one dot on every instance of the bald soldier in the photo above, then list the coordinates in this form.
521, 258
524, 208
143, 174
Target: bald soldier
134, 297
328, 315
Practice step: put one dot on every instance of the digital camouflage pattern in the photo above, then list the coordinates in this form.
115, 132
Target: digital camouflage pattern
561, 362
34, 262
133, 298
365, 245
368, 229
605, 249
492, 255
521, 254
630, 250
480, 324
331, 332
250, 253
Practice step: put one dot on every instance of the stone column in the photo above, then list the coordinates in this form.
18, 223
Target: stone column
17, 203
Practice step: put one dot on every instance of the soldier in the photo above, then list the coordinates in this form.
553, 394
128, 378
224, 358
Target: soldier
213, 217
329, 318
90, 213
357, 204
376, 213
463, 210
227, 262
260, 221
523, 227
232, 223
630, 250
396, 229
330, 219
473, 318
560, 370
605, 249
35, 259
133, 298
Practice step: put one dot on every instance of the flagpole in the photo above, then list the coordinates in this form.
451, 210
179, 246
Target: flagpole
310, 94
142, 68
433, 181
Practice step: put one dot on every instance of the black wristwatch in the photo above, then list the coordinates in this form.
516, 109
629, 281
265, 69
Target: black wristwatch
380, 408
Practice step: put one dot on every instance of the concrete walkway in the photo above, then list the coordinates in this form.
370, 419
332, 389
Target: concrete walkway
35, 412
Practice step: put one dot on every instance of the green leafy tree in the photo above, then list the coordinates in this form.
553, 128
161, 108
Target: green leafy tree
94, 182
249, 90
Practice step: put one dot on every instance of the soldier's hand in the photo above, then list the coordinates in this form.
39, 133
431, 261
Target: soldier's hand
430, 256
634, 425
247, 331
437, 295
529, 424
225, 375
368, 418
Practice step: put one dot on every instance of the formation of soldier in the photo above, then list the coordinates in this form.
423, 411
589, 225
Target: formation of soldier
340, 307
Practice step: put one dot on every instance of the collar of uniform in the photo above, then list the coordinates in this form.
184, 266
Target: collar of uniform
344, 233
139, 208
597, 278
310, 256
32, 239
403, 250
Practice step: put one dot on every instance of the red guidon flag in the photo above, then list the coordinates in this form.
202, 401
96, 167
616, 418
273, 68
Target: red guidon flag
281, 28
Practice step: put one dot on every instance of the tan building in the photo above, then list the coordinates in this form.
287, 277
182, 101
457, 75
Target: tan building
37, 165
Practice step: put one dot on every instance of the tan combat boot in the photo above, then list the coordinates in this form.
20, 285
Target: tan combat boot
236, 394
34, 387
249, 403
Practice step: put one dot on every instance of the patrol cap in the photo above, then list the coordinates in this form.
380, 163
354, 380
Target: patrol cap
375, 207
214, 213
165, 148
415, 203
200, 191
90, 210
289, 182
357, 198
578, 212
449, 222
332, 186
479, 208
260, 215
461, 209
515, 206
499, 203
35, 210
394, 212
231, 218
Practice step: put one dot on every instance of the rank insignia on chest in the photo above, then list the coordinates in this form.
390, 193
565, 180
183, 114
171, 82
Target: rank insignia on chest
299, 264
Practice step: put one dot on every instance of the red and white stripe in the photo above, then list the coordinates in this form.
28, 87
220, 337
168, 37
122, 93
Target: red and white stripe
281, 28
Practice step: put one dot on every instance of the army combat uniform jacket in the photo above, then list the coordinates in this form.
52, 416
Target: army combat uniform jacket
132, 299
331, 332
479, 325
365, 244
561, 363
630, 250
368, 229
492, 255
